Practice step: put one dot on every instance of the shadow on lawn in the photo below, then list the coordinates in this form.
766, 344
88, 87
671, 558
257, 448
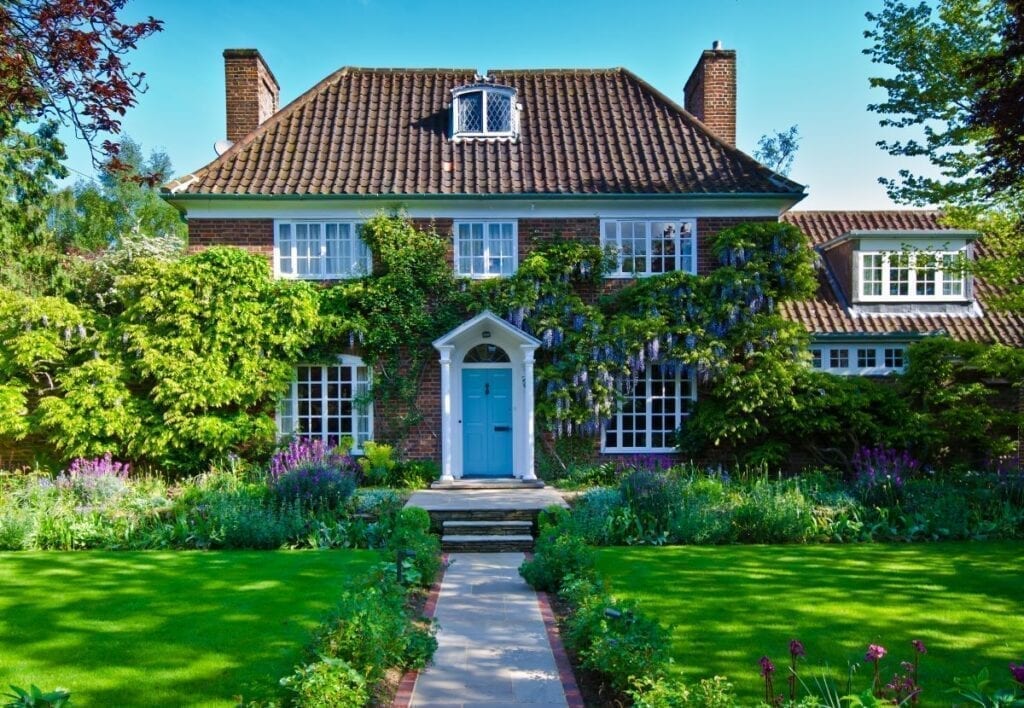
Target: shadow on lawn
729, 605
163, 628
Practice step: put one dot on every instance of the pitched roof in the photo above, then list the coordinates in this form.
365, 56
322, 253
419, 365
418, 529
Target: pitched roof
385, 131
826, 313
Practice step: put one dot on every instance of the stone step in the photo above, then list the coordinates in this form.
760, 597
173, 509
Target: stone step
488, 484
461, 527
439, 517
486, 544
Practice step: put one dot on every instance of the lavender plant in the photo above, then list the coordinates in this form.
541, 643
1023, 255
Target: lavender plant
95, 480
881, 474
311, 473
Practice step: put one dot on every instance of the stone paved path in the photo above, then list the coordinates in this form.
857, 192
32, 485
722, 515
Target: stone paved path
493, 648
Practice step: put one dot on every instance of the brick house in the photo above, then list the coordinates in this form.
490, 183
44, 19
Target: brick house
497, 162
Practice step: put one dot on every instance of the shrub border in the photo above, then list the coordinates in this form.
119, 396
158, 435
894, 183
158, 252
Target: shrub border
403, 696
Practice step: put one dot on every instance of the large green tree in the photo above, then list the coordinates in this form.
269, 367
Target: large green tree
955, 67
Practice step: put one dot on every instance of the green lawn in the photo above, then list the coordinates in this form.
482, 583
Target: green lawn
729, 605
177, 628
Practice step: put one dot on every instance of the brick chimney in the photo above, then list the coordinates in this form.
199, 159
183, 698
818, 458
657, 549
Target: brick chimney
250, 89
710, 92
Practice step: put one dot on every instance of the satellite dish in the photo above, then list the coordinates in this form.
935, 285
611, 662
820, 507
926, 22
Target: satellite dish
222, 146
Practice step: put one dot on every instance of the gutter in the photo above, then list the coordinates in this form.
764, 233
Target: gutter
173, 195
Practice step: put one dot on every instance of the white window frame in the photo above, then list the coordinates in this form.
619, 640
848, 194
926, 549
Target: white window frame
852, 350
486, 92
682, 412
485, 223
939, 280
614, 241
287, 416
357, 264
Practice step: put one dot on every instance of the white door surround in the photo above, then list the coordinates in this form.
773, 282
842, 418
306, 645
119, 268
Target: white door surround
487, 328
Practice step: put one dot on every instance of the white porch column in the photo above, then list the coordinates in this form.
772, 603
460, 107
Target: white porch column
528, 349
446, 412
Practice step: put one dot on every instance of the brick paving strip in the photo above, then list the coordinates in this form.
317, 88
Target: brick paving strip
494, 646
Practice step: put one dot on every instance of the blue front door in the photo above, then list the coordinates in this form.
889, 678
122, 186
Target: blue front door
487, 422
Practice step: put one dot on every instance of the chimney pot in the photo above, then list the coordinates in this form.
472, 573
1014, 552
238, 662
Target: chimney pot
710, 92
251, 91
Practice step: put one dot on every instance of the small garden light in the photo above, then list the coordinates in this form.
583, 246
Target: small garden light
612, 613
399, 557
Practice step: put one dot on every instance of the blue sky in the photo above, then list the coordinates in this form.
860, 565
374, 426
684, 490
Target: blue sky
799, 62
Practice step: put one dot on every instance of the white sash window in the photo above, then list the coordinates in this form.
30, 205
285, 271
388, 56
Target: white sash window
320, 250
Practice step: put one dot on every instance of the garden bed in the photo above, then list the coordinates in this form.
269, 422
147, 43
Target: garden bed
162, 628
727, 606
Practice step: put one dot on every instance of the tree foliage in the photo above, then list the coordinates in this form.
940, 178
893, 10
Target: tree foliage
188, 369
954, 86
66, 61
778, 150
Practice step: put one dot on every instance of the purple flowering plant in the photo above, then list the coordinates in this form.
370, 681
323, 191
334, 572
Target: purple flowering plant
95, 479
796, 652
881, 473
313, 474
767, 671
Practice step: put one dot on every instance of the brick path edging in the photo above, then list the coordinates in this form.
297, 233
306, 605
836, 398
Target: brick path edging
569, 686
572, 692
403, 697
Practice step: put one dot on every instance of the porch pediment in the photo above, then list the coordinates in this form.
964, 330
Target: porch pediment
486, 321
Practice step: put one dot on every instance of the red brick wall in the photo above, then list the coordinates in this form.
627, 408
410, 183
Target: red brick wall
251, 92
710, 92
254, 235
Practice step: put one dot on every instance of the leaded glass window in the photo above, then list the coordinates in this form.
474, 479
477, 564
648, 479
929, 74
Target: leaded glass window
483, 111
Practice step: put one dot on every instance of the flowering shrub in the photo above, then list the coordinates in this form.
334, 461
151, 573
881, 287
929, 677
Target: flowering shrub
303, 451
311, 474
316, 486
95, 480
881, 475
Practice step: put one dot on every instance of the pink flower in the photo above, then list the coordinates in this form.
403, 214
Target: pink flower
919, 646
767, 667
875, 652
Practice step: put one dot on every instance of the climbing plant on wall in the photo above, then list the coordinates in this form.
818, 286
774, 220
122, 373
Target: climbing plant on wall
724, 326
189, 362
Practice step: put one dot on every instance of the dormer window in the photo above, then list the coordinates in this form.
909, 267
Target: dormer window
484, 110
887, 276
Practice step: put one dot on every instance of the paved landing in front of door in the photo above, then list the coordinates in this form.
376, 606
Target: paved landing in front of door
493, 648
